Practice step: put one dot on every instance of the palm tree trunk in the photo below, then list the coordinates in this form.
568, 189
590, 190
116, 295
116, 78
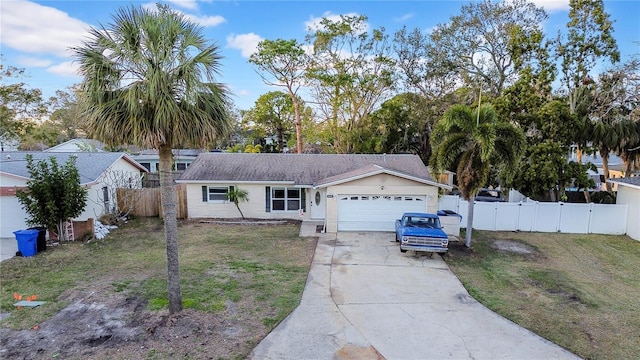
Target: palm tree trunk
467, 237
579, 154
604, 154
241, 214
627, 167
170, 228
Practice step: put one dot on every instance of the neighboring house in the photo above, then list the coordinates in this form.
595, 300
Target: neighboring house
78, 145
616, 169
629, 193
182, 158
9, 141
93, 167
354, 192
446, 177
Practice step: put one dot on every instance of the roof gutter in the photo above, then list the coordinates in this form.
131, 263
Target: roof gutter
236, 182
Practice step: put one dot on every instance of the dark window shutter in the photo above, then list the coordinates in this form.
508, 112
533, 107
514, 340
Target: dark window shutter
227, 194
303, 199
268, 198
205, 194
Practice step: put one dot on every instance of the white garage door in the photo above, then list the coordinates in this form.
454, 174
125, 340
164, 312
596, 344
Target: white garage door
375, 212
12, 216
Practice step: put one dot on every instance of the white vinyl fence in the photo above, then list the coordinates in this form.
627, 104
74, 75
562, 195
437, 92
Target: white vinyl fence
541, 217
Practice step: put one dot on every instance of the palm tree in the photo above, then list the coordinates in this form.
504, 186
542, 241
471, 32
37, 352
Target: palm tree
470, 142
148, 80
613, 135
236, 195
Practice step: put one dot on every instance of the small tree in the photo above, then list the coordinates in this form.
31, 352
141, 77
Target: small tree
54, 193
236, 195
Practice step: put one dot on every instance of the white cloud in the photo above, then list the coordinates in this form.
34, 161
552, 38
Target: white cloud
38, 29
552, 5
206, 21
187, 4
313, 24
246, 43
67, 68
404, 17
28, 61
150, 6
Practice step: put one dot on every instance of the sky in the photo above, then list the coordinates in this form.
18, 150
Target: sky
37, 35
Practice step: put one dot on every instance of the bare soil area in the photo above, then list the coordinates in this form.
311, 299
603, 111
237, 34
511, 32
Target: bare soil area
107, 326
99, 321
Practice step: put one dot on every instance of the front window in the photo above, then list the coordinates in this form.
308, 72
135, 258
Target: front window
217, 193
181, 166
285, 199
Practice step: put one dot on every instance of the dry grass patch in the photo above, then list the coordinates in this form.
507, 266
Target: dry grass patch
107, 299
579, 291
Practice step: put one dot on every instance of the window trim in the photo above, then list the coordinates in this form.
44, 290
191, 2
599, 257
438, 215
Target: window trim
286, 198
206, 194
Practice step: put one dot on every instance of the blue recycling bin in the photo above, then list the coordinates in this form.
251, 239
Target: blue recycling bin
27, 241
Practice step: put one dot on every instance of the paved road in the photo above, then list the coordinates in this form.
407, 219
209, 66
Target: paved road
365, 300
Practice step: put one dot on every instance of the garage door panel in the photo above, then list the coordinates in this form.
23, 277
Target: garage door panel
375, 212
12, 216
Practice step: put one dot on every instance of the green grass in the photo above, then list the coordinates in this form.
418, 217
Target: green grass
262, 268
579, 291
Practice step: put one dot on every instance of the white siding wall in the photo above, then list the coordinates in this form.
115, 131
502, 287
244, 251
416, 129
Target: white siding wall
631, 197
254, 208
95, 204
13, 216
12, 181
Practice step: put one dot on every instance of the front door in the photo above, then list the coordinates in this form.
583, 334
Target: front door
318, 204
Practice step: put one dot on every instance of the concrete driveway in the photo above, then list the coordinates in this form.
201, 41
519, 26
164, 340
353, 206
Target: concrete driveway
8, 248
365, 300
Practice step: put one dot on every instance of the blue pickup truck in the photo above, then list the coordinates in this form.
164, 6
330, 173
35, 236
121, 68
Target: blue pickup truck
421, 232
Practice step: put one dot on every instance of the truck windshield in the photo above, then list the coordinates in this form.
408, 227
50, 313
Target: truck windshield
426, 222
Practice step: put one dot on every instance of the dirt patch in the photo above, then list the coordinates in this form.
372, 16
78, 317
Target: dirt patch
513, 247
457, 249
238, 283
118, 327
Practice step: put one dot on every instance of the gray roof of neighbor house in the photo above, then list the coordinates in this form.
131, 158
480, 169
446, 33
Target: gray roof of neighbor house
300, 169
176, 152
90, 144
90, 164
635, 181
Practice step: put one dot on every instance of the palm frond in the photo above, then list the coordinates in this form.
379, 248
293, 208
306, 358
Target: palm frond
149, 80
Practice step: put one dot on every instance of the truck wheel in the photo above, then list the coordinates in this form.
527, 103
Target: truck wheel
403, 251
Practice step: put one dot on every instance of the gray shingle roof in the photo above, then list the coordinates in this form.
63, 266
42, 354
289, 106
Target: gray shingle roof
300, 169
629, 180
176, 152
90, 164
98, 145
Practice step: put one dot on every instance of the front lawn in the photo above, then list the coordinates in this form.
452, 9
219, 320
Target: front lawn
107, 298
579, 291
